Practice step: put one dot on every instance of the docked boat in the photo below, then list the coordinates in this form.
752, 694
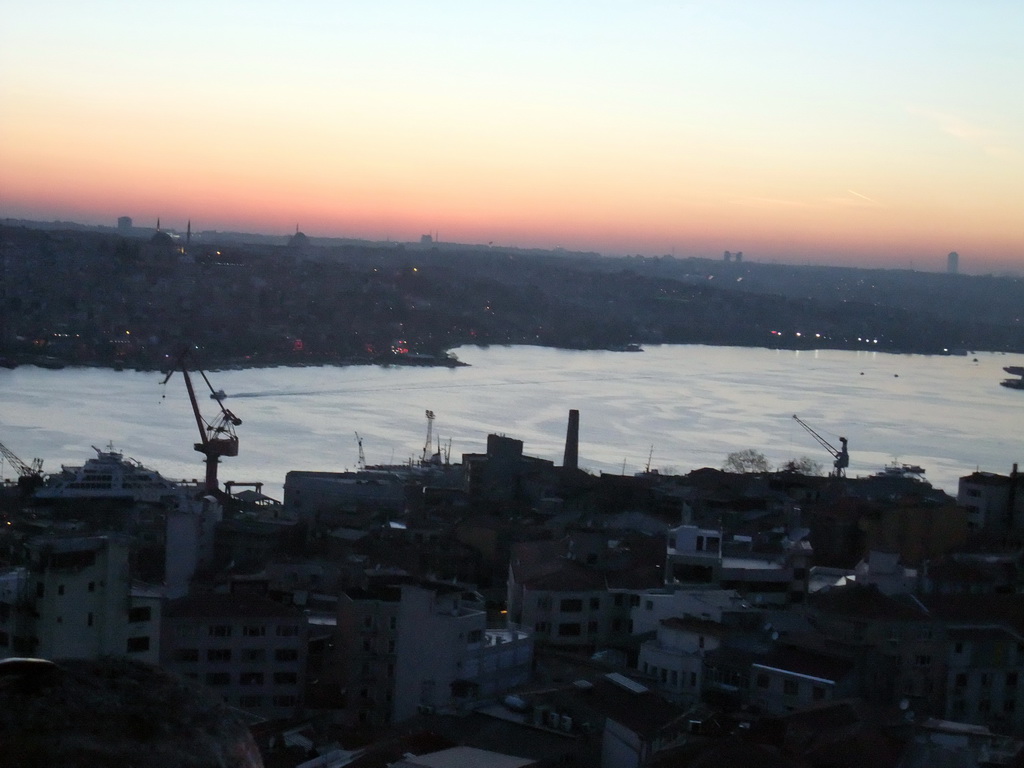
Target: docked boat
110, 475
1013, 383
897, 470
1014, 370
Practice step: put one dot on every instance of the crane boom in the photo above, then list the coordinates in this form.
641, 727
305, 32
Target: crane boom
216, 438
23, 469
841, 455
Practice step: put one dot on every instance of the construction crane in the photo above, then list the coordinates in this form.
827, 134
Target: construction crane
29, 475
362, 456
216, 438
841, 455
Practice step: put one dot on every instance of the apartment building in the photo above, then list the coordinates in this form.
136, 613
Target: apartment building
250, 650
446, 657
75, 599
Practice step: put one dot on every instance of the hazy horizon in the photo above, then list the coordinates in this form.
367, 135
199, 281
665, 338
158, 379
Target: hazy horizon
873, 134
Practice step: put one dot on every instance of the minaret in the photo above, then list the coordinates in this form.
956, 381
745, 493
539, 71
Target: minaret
188, 234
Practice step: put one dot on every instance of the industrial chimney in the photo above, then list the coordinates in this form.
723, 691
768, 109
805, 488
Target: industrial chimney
572, 442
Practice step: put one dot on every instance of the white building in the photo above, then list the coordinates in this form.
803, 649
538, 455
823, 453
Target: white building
446, 657
75, 600
709, 604
699, 557
675, 658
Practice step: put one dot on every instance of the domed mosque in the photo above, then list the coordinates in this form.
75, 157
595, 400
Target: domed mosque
161, 238
299, 241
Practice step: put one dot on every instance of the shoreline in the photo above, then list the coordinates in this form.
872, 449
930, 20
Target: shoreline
447, 359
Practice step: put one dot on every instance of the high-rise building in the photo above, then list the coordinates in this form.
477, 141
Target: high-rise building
124, 223
953, 262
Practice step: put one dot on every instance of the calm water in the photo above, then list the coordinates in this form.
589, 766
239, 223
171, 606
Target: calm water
684, 406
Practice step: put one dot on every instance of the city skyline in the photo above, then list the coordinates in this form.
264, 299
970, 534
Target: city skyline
867, 135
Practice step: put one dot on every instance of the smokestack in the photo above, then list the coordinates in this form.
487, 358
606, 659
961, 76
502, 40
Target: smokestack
572, 442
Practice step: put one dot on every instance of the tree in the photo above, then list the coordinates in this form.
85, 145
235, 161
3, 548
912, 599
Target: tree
746, 461
805, 465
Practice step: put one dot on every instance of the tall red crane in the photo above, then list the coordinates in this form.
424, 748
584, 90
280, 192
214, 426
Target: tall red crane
217, 437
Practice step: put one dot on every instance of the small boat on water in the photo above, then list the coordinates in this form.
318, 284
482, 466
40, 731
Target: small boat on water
1013, 383
1014, 370
218, 395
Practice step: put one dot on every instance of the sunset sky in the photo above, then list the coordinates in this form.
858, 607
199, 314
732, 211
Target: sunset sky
862, 133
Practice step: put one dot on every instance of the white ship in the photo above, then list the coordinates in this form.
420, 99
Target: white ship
110, 475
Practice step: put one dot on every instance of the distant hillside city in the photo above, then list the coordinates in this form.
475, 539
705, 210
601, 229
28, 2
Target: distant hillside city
495, 609
134, 297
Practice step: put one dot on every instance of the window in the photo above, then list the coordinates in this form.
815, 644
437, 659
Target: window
250, 701
649, 605
285, 678
285, 701
393, 623
250, 678
591, 627
287, 630
254, 654
40, 589
618, 601
541, 627
254, 630
144, 613
220, 630
367, 622
700, 641
958, 648
571, 606
88, 619
1009, 705
218, 678
60, 589
138, 644
762, 680
476, 636
693, 679
286, 654
1011, 679
595, 603
675, 678
818, 693
984, 705
790, 687
92, 586
923, 660
218, 654
961, 680
569, 630
186, 655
